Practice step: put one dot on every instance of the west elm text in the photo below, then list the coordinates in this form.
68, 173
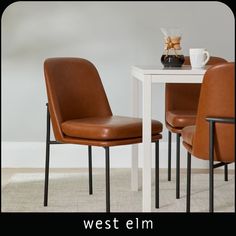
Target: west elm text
114, 224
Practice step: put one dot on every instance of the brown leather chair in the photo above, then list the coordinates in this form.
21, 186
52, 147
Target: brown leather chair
81, 114
181, 102
213, 137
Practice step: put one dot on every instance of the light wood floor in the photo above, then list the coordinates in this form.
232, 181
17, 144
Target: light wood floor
7, 173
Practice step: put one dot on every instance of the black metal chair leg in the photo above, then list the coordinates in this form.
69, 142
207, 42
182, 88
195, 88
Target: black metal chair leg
211, 168
169, 156
90, 170
226, 172
47, 159
107, 179
157, 172
188, 182
178, 166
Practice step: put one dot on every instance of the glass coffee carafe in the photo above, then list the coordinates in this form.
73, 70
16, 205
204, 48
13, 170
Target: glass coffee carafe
172, 55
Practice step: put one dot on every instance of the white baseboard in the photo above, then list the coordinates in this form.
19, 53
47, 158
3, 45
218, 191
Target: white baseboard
32, 155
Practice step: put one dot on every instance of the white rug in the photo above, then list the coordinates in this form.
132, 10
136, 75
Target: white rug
69, 193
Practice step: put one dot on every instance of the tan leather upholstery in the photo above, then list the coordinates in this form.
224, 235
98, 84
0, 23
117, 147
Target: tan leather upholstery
217, 99
74, 91
181, 101
107, 143
187, 134
80, 111
107, 128
179, 119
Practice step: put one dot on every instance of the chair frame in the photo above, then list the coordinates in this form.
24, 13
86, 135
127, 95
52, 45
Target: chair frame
107, 168
212, 121
178, 135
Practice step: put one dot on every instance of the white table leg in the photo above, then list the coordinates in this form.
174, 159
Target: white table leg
147, 148
134, 160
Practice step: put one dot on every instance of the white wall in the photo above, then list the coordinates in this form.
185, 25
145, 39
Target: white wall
113, 35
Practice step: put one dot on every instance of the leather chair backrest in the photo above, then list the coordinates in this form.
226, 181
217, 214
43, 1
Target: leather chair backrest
217, 99
185, 96
74, 91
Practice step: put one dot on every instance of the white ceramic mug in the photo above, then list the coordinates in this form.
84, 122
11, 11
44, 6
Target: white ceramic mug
198, 57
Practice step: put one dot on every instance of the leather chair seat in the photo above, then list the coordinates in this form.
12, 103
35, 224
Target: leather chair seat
187, 134
181, 118
107, 128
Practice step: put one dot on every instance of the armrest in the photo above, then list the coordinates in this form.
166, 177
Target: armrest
221, 120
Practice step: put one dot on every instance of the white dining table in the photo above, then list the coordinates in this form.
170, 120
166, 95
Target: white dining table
146, 76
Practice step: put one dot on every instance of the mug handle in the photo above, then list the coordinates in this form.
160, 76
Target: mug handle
207, 57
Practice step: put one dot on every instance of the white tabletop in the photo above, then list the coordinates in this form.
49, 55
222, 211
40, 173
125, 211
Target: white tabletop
155, 70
